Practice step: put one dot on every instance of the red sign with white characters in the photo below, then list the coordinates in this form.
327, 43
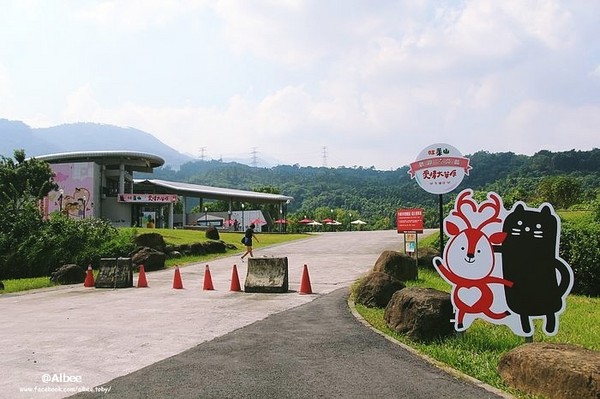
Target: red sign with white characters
409, 220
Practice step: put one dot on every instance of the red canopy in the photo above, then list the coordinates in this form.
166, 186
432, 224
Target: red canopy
281, 221
305, 221
327, 220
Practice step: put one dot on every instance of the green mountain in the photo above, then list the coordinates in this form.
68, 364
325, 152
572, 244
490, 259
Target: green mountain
375, 195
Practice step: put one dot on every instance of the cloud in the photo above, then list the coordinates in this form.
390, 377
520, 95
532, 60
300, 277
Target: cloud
136, 15
373, 82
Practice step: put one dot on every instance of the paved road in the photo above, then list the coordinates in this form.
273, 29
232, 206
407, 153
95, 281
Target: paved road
157, 342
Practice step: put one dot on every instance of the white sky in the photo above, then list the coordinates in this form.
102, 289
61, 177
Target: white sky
373, 82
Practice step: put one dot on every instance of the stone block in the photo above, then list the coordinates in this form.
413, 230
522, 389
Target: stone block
115, 273
269, 275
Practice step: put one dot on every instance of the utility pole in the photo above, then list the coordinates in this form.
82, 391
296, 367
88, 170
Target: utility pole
324, 156
254, 157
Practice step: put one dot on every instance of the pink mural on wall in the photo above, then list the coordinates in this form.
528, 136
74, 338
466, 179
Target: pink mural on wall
76, 190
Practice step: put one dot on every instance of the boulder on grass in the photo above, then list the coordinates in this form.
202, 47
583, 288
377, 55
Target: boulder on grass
214, 247
197, 248
376, 289
397, 265
151, 240
68, 274
149, 257
212, 233
552, 370
422, 314
426, 256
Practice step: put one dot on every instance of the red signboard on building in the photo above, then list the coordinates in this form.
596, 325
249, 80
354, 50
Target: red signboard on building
148, 198
410, 219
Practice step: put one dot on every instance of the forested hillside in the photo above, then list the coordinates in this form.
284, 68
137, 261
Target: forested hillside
565, 179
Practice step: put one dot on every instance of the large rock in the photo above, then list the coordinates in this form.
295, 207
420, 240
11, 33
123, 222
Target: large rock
422, 314
212, 233
197, 248
426, 256
215, 247
68, 274
151, 240
557, 371
376, 289
397, 265
149, 257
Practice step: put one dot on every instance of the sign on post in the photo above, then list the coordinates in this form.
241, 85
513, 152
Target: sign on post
410, 219
439, 168
410, 242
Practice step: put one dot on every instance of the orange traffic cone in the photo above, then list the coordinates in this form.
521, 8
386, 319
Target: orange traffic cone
177, 283
142, 282
89, 277
305, 287
235, 280
208, 285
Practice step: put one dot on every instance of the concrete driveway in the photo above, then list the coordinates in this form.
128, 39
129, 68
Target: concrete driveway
59, 341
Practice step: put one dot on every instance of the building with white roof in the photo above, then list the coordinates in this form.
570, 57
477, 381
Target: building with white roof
101, 184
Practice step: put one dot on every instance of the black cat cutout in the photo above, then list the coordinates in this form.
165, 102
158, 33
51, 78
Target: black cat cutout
530, 260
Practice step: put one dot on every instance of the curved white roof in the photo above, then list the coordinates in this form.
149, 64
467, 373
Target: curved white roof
133, 160
196, 190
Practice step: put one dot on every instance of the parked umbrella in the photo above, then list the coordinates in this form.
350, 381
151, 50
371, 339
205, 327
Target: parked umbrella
314, 223
358, 221
281, 221
305, 221
327, 220
257, 222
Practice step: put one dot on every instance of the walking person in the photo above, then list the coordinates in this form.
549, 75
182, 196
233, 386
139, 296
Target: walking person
248, 236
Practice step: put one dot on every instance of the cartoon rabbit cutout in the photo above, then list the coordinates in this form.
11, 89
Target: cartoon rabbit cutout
469, 263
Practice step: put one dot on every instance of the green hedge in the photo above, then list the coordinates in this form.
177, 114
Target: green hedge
580, 247
47, 245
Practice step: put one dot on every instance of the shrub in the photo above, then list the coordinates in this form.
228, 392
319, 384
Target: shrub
17, 227
580, 247
63, 240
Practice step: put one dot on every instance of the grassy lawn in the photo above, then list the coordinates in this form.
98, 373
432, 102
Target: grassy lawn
174, 237
180, 237
480, 348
